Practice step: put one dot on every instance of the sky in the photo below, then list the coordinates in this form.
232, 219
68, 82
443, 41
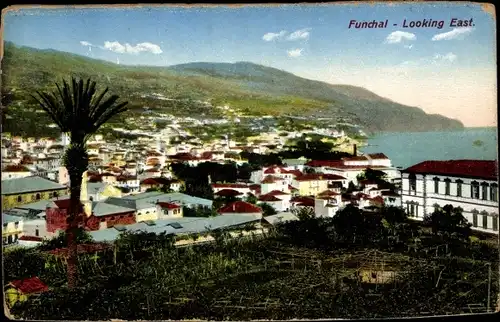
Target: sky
449, 70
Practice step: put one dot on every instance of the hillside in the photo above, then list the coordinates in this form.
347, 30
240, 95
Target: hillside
249, 88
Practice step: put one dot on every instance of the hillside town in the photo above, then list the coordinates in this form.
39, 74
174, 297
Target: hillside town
130, 186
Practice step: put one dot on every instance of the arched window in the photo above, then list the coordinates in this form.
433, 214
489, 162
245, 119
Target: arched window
436, 184
413, 181
494, 218
447, 186
484, 214
474, 217
56, 194
459, 187
19, 198
38, 197
494, 192
484, 190
474, 190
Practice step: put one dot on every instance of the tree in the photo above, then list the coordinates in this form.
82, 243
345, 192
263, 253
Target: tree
78, 110
251, 199
304, 213
267, 209
449, 222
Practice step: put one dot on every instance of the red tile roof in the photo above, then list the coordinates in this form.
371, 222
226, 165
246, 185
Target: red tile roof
149, 181
328, 193
291, 188
479, 169
30, 285
63, 203
167, 205
296, 173
377, 200
311, 177
183, 156
330, 176
277, 193
207, 155
229, 185
228, 193
275, 169
268, 197
239, 207
271, 179
15, 168
377, 156
357, 158
31, 238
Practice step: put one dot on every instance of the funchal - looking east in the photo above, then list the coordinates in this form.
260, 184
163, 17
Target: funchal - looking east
249, 162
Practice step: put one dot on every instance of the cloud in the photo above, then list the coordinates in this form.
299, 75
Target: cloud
270, 36
456, 33
116, 47
451, 57
398, 36
85, 43
408, 46
295, 52
299, 34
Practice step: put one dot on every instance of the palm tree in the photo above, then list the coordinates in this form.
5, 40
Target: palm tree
80, 112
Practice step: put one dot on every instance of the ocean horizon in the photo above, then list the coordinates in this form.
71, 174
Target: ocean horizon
409, 148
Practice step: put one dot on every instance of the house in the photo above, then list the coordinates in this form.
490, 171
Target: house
327, 203
310, 184
350, 168
271, 183
240, 208
144, 204
168, 210
391, 198
20, 290
36, 228
12, 228
298, 202
228, 193
469, 184
15, 172
30, 241
25, 190
295, 164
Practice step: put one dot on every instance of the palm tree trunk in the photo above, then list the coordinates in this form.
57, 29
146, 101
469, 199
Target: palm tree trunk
74, 215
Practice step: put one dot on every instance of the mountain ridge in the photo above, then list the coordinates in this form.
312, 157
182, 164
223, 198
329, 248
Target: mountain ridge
252, 88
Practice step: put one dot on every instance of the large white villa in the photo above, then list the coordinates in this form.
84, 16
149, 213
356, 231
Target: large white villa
469, 184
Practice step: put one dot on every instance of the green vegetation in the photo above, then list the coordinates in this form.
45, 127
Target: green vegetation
251, 89
312, 268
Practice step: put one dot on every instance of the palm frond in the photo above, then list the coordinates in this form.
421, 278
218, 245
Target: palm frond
76, 108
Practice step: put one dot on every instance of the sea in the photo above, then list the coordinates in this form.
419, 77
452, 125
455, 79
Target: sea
407, 149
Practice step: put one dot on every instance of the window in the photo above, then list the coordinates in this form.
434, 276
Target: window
16, 224
55, 194
15, 237
485, 220
495, 222
436, 185
474, 190
459, 188
474, 219
412, 210
19, 198
37, 197
413, 182
37, 232
494, 192
447, 187
484, 187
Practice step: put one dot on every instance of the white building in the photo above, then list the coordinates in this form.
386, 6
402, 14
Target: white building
469, 184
